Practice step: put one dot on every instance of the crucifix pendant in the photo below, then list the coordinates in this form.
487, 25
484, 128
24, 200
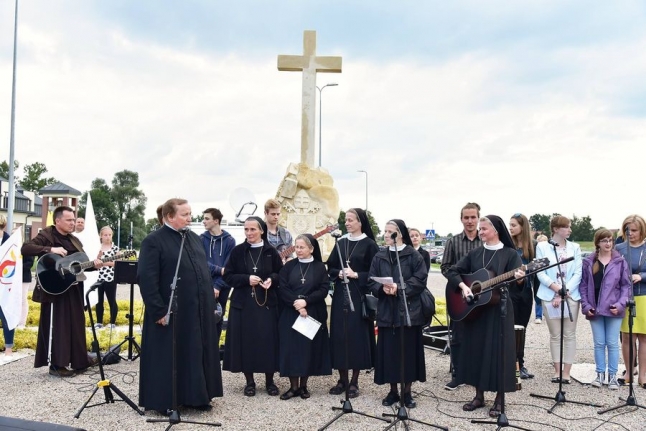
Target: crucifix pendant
254, 269
347, 262
303, 280
253, 293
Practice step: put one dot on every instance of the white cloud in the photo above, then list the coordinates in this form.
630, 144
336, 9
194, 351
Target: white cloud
524, 128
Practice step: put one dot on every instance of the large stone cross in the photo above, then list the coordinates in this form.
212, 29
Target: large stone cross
309, 64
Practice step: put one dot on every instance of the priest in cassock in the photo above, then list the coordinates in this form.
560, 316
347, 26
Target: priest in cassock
199, 378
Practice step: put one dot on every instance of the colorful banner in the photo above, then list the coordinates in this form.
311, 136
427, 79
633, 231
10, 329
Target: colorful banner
11, 278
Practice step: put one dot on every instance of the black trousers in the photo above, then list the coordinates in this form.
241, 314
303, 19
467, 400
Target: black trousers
108, 290
457, 329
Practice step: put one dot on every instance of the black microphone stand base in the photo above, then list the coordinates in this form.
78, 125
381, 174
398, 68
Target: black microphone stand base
559, 399
104, 383
628, 402
346, 409
174, 419
402, 416
502, 422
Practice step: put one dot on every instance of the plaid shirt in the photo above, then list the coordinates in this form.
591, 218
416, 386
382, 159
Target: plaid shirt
456, 248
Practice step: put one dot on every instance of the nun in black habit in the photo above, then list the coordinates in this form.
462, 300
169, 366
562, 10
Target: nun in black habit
479, 362
304, 285
251, 344
391, 313
357, 249
199, 378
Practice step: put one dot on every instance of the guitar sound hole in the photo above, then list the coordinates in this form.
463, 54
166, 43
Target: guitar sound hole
476, 287
75, 268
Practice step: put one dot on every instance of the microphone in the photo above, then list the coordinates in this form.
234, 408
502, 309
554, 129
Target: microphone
552, 242
336, 234
393, 235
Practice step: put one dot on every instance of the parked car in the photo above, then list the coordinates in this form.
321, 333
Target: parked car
437, 259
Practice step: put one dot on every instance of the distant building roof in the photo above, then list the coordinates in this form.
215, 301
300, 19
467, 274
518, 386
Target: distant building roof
59, 188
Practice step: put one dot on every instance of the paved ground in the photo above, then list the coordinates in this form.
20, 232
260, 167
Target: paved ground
33, 394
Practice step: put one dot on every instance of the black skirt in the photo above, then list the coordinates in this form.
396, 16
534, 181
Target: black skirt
387, 368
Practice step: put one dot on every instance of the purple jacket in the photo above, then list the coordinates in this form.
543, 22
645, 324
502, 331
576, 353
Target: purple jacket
615, 286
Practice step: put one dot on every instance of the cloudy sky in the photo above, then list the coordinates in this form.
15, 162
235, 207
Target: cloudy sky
532, 107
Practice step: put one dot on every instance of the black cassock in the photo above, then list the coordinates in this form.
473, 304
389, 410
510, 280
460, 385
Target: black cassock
199, 378
251, 344
479, 361
361, 332
300, 356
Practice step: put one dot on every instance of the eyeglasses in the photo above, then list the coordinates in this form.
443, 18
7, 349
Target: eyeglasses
606, 241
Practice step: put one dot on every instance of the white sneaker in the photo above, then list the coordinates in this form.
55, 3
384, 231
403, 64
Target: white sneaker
613, 384
538, 321
111, 326
598, 382
98, 326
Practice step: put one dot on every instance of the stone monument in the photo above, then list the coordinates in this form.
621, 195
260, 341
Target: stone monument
309, 200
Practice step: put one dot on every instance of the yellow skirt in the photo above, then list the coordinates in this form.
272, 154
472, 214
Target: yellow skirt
639, 322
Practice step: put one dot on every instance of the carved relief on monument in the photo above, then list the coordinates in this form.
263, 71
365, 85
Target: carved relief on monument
310, 203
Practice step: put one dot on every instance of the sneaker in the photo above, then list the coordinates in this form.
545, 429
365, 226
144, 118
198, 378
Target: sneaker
613, 384
98, 326
452, 385
538, 321
598, 382
111, 326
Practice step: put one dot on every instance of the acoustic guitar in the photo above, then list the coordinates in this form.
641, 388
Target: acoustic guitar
56, 273
481, 283
289, 250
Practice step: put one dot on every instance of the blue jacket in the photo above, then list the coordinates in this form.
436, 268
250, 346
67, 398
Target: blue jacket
217, 249
615, 286
638, 256
547, 277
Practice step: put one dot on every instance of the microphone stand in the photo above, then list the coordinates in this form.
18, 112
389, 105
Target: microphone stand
173, 416
104, 383
502, 421
630, 400
402, 413
559, 398
347, 301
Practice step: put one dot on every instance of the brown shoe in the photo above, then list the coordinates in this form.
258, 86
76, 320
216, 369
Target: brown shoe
93, 360
61, 372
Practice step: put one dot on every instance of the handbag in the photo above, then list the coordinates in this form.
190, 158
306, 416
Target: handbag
428, 305
369, 307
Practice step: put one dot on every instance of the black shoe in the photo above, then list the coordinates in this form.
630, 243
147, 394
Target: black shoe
409, 402
61, 371
166, 412
390, 399
452, 385
524, 374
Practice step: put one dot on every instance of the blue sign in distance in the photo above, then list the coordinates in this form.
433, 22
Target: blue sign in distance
430, 233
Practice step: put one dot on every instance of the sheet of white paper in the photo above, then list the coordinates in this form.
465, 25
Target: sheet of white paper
307, 326
383, 280
555, 312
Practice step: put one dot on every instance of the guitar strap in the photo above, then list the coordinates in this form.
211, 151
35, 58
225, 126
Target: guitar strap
76, 243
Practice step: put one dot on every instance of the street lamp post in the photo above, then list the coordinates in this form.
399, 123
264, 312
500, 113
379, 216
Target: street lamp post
331, 84
366, 172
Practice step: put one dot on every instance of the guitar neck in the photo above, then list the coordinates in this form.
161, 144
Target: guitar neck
289, 250
500, 278
90, 263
